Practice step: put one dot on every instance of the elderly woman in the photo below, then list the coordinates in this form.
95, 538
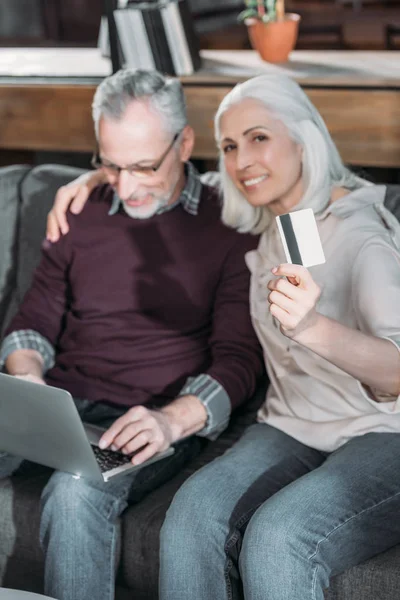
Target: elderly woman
314, 487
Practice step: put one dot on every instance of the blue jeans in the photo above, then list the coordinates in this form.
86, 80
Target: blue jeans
273, 519
79, 529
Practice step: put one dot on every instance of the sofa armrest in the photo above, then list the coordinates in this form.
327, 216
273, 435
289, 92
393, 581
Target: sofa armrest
10, 181
37, 192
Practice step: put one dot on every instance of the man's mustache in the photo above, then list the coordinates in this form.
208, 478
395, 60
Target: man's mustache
138, 197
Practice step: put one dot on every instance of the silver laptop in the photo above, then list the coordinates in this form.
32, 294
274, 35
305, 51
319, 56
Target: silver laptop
42, 424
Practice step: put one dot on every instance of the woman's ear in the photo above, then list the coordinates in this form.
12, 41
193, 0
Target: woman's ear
187, 143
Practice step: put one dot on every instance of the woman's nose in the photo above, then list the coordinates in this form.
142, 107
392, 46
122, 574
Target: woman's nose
244, 159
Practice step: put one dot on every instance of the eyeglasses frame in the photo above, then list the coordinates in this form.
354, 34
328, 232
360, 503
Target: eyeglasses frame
134, 169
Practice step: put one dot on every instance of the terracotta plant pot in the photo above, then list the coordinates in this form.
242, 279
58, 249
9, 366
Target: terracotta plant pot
274, 41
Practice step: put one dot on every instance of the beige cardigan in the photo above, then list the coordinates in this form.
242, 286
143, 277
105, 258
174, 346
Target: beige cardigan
309, 398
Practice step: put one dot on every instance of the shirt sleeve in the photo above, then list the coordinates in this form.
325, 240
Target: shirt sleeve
38, 322
376, 299
215, 400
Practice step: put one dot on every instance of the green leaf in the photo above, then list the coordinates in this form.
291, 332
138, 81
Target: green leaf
249, 13
271, 9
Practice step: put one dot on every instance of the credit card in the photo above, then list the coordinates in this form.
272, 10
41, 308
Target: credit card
300, 238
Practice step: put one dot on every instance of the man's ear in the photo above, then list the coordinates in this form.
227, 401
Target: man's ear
187, 143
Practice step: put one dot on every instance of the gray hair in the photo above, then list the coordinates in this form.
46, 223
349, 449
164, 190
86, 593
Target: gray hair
164, 94
322, 167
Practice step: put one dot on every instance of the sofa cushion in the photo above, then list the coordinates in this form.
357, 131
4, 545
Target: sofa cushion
21, 559
375, 579
10, 179
37, 192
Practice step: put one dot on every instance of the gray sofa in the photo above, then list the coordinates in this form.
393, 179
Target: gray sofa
25, 198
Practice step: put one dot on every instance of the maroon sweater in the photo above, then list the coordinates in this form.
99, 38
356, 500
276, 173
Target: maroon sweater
133, 307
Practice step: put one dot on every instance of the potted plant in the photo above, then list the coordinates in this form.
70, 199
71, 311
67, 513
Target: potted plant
272, 31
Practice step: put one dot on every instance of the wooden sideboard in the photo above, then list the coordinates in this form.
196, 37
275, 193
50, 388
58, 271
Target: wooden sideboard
45, 99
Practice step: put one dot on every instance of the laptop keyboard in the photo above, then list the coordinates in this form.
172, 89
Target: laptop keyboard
108, 459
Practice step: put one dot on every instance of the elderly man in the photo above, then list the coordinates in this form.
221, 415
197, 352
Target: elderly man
141, 312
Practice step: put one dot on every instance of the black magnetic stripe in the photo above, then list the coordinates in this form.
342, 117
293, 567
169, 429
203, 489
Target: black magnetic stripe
291, 241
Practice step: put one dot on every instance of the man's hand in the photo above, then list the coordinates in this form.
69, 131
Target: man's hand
26, 364
73, 196
141, 427
31, 378
293, 301
155, 430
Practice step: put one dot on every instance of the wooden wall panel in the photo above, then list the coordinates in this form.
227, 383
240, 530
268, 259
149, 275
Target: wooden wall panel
364, 123
46, 117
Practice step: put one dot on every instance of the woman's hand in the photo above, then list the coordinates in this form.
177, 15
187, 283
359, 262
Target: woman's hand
293, 300
73, 196
371, 360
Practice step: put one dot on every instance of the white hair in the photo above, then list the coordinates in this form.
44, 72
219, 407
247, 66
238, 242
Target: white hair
322, 167
164, 94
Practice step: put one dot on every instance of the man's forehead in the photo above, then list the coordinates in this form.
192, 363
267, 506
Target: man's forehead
138, 123
129, 141
145, 138
142, 109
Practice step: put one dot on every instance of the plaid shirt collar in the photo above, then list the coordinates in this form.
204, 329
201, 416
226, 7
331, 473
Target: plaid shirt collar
189, 198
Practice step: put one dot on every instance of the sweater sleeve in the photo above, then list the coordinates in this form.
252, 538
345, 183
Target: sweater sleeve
45, 304
237, 360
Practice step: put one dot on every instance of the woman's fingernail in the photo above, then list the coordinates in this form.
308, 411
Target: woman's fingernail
274, 270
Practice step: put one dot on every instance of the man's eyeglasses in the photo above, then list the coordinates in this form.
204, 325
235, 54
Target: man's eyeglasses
137, 170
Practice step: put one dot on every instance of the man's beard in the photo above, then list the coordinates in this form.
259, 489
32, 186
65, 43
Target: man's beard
146, 210
157, 205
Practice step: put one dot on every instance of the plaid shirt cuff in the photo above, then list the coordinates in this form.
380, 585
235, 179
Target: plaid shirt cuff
27, 339
216, 402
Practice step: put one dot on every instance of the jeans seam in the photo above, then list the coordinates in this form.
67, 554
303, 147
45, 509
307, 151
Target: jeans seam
115, 505
314, 581
112, 575
228, 566
231, 541
348, 520
239, 523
